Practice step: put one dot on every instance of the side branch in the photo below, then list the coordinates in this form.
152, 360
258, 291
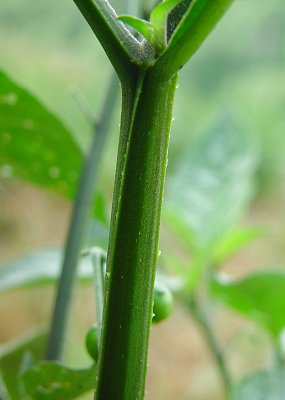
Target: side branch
121, 47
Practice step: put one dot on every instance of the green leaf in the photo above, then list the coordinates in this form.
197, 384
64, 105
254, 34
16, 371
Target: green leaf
262, 385
234, 241
158, 19
199, 20
175, 16
258, 296
35, 145
11, 359
52, 381
142, 26
212, 186
36, 268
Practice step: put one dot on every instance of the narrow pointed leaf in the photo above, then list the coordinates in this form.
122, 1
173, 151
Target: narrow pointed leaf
142, 26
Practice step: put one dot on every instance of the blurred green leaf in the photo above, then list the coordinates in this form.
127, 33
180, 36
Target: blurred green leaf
212, 186
41, 267
259, 296
35, 145
263, 385
234, 241
11, 359
52, 381
100, 211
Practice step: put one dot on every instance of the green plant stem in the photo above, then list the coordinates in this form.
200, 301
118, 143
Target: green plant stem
134, 236
122, 48
204, 324
81, 209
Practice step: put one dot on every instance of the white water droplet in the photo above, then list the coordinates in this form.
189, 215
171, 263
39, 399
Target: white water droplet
49, 155
6, 171
9, 98
28, 124
6, 137
54, 172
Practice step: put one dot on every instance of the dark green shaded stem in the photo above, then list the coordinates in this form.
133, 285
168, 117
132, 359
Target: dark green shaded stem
133, 243
206, 328
84, 196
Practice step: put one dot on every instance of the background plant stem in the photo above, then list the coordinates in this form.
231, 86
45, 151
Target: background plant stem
84, 196
206, 328
98, 258
133, 243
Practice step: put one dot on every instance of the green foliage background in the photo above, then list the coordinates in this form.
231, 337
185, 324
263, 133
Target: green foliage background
240, 66
47, 47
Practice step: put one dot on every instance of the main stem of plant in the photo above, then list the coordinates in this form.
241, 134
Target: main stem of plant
134, 236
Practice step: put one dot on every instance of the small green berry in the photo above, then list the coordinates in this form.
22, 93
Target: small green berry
162, 303
91, 342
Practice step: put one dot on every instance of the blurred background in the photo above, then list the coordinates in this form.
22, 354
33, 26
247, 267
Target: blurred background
48, 48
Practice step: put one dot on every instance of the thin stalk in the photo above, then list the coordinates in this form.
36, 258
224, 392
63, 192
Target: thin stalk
206, 328
3, 391
278, 354
133, 243
84, 196
98, 258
